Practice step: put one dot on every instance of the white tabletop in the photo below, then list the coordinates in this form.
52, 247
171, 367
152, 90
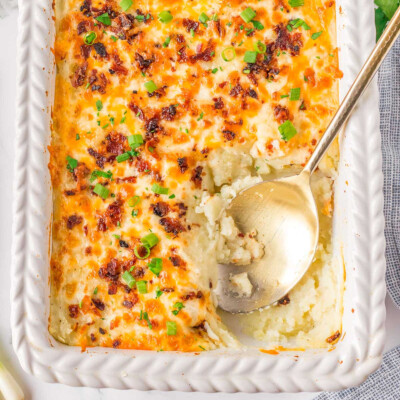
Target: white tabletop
33, 388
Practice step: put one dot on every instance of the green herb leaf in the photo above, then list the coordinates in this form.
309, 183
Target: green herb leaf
104, 19
250, 57
171, 328
287, 130
388, 7
158, 293
156, 188
71, 164
126, 4
295, 94
129, 279
141, 287
316, 35
102, 191
381, 20
165, 17
150, 86
248, 14
155, 266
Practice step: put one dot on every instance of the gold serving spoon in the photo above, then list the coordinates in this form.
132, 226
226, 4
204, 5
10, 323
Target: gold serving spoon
284, 213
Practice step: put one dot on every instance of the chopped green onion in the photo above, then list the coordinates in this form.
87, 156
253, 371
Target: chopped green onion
129, 279
260, 47
80, 304
156, 188
126, 4
104, 19
214, 70
155, 266
248, 14
295, 94
113, 38
96, 174
99, 105
96, 289
150, 240
141, 252
135, 141
90, 38
316, 35
133, 201
200, 116
77, 137
102, 191
71, 164
296, 3
158, 292
167, 41
141, 287
146, 318
171, 328
123, 157
203, 18
250, 57
228, 54
172, 196
287, 130
257, 25
177, 307
135, 213
165, 17
284, 95
139, 17
150, 86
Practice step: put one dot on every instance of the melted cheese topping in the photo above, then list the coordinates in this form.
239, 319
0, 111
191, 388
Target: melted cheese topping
208, 123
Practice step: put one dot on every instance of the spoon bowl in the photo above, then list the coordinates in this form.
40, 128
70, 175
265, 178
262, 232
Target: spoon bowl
284, 214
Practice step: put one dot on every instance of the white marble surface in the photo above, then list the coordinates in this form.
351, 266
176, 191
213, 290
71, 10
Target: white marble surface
33, 388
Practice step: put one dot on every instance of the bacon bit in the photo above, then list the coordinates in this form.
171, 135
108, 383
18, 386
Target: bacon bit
183, 165
281, 114
284, 301
190, 24
88, 250
116, 142
86, 8
85, 51
124, 244
100, 158
78, 79
137, 111
180, 38
70, 192
196, 176
82, 27
114, 212
218, 27
111, 270
101, 224
73, 310
74, 220
252, 93
152, 127
172, 225
98, 304
182, 209
313, 142
192, 295
168, 113
177, 261
182, 55
116, 343
142, 165
218, 103
125, 21
129, 179
206, 55
80, 174
127, 304
309, 75
143, 63
236, 90
334, 338
168, 290
102, 331
100, 49
228, 135
92, 337
161, 209
201, 326
117, 66
302, 106
138, 272
112, 288
286, 41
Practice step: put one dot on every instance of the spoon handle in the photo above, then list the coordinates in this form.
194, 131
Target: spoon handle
363, 79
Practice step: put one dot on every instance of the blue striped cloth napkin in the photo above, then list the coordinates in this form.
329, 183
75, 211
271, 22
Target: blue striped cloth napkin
385, 383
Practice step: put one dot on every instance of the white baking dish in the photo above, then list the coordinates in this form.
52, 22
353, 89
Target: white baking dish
358, 236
